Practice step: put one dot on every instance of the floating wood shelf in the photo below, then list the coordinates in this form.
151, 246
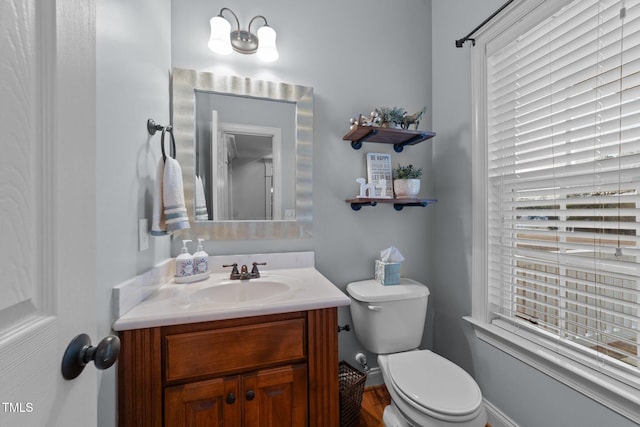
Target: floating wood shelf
398, 137
398, 204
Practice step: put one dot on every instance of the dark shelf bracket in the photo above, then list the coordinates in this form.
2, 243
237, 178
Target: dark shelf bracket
399, 147
399, 206
356, 145
356, 206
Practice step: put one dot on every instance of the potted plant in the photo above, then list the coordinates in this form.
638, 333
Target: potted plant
406, 181
390, 116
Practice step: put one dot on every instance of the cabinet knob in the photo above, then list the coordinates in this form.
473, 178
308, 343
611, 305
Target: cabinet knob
250, 395
231, 398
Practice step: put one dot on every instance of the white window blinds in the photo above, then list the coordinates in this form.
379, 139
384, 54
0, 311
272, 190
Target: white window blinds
564, 175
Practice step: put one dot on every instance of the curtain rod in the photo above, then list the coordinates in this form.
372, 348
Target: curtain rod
460, 42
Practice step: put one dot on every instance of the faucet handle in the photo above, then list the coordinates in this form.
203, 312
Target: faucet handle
234, 271
254, 270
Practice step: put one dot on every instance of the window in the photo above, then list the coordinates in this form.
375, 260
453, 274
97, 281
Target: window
557, 180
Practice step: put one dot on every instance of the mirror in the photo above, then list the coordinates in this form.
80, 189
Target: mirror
241, 146
245, 148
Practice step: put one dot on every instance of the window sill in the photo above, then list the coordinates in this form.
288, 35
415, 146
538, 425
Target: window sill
615, 395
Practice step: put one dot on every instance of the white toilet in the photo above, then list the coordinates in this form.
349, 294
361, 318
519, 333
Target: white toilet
426, 389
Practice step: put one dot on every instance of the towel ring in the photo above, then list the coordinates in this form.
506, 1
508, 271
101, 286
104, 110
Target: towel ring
172, 147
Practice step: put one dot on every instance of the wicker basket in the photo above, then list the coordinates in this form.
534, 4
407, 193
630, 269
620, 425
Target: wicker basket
351, 389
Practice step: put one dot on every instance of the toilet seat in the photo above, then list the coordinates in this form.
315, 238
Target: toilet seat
434, 385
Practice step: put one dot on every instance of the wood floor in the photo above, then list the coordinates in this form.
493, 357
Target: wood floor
374, 400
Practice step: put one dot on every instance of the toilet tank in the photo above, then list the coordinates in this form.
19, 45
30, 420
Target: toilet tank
388, 319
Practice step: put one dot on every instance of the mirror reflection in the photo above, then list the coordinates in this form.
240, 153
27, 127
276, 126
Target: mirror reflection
245, 158
245, 148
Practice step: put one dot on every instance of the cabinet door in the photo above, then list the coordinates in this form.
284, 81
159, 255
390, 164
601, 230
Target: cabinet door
276, 397
212, 403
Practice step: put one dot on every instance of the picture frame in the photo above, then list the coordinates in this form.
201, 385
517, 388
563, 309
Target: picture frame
379, 167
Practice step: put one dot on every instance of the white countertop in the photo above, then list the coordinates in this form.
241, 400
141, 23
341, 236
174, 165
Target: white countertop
174, 304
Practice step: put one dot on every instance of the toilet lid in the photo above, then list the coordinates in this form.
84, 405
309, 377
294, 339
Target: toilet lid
434, 383
372, 291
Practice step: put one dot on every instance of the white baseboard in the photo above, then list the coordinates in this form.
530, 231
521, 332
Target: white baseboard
497, 418
374, 377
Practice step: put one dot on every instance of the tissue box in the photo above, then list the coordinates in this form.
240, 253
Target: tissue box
387, 273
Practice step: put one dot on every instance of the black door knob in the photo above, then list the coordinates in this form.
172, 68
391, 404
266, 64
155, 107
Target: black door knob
250, 395
231, 398
79, 352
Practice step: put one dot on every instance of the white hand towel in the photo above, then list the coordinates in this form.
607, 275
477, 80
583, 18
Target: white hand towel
201, 202
159, 225
173, 196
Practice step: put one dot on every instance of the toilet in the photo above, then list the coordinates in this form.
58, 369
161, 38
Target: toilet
426, 389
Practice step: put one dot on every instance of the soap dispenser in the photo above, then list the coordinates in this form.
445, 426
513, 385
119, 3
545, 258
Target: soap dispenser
201, 259
184, 263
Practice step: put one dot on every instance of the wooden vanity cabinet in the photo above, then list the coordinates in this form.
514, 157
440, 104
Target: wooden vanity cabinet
267, 397
268, 370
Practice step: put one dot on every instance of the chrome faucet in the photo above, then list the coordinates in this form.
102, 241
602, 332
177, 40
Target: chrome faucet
244, 273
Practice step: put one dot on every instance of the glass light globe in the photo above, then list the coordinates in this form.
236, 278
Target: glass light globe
220, 40
267, 50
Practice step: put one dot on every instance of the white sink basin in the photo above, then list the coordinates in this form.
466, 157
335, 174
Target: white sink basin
234, 292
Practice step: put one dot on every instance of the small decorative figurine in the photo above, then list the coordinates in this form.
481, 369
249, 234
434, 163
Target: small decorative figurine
364, 188
363, 121
367, 190
413, 118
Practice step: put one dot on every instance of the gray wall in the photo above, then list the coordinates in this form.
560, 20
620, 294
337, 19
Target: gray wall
133, 65
529, 397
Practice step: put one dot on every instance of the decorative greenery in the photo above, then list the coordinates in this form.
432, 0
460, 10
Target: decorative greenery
391, 115
406, 172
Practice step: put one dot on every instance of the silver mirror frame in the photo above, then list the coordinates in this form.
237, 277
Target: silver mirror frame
183, 105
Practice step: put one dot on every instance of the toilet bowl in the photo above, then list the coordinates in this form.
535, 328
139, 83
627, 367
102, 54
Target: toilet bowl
426, 389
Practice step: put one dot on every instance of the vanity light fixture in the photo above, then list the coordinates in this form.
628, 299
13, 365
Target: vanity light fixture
224, 41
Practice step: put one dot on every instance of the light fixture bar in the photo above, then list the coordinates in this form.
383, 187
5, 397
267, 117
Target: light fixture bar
244, 42
223, 40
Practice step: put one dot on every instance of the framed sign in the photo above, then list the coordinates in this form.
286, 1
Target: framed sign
379, 167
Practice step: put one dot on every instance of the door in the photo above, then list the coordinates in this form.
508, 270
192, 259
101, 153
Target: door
276, 397
47, 208
212, 403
